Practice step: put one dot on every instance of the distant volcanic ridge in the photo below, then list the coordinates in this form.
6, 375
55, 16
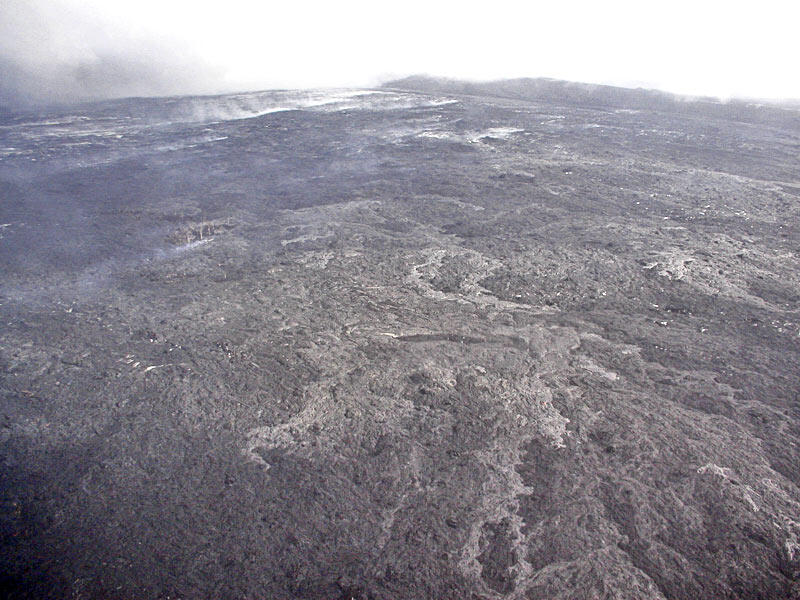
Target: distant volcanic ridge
595, 96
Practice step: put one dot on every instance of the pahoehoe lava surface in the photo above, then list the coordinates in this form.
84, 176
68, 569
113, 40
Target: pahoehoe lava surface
502, 341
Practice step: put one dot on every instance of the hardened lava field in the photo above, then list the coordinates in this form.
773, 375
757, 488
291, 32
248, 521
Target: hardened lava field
445, 341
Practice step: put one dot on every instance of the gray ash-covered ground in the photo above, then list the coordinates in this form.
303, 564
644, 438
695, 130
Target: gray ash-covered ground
398, 345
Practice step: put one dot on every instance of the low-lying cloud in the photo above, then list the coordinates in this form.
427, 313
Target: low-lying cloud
67, 50
51, 53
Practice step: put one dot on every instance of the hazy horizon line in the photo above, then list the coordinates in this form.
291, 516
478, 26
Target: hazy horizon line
24, 104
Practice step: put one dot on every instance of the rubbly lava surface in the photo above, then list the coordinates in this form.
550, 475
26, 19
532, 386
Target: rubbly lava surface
529, 341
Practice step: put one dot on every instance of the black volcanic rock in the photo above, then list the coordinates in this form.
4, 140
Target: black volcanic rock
525, 339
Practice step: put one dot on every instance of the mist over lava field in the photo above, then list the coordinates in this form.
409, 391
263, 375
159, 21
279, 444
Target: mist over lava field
524, 340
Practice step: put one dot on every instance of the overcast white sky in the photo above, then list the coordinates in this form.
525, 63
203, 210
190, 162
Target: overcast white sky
66, 49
